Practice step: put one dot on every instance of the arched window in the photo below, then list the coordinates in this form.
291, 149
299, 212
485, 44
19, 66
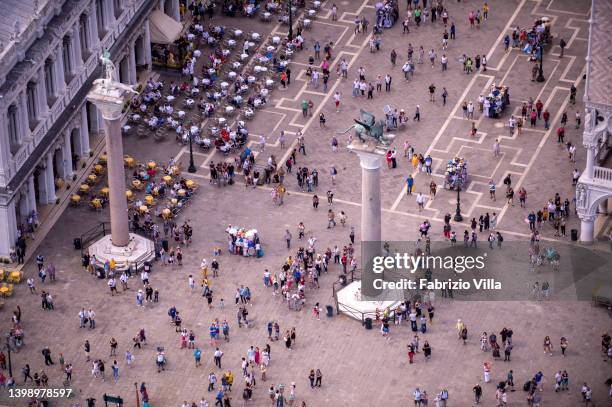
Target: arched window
67, 60
84, 36
49, 84
31, 103
100, 18
13, 128
118, 7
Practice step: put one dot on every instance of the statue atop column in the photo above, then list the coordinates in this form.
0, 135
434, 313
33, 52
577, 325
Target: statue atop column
109, 83
369, 132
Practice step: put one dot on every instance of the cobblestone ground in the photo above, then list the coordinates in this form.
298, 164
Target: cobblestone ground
359, 367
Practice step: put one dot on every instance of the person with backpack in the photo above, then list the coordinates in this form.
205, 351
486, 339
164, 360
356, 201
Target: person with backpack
499, 239
443, 397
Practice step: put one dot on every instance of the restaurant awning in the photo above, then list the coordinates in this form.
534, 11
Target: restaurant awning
164, 29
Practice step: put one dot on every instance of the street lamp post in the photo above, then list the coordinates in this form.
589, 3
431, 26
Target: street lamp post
8, 347
290, 36
192, 168
458, 217
540, 77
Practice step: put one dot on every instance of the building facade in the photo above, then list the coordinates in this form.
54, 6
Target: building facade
595, 184
49, 57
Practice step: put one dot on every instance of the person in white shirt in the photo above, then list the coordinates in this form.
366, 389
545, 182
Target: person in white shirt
31, 285
420, 200
337, 101
470, 110
92, 318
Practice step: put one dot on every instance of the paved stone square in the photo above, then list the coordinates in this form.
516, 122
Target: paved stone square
360, 368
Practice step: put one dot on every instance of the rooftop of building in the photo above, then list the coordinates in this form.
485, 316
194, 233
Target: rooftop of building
17, 19
598, 90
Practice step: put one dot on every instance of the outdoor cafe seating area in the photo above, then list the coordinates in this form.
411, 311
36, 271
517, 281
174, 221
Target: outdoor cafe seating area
234, 73
152, 189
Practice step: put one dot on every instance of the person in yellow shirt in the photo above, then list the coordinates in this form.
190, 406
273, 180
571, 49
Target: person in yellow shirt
485, 10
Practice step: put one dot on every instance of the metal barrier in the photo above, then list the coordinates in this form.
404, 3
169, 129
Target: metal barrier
101, 229
337, 285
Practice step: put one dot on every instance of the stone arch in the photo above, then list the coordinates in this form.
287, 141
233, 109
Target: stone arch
596, 203
588, 200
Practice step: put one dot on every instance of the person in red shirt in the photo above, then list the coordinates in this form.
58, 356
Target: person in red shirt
539, 106
522, 196
546, 117
560, 134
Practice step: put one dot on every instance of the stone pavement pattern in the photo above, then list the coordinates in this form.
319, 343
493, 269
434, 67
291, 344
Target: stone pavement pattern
359, 367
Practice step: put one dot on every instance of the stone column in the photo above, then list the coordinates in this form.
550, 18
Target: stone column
176, 10
24, 206
116, 180
109, 100
42, 186
94, 30
50, 177
147, 45
24, 123
590, 162
84, 133
8, 228
77, 46
67, 151
59, 73
587, 229
132, 64
41, 96
110, 13
370, 196
5, 148
31, 195
370, 218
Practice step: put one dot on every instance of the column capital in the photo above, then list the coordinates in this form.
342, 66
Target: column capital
369, 160
585, 217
